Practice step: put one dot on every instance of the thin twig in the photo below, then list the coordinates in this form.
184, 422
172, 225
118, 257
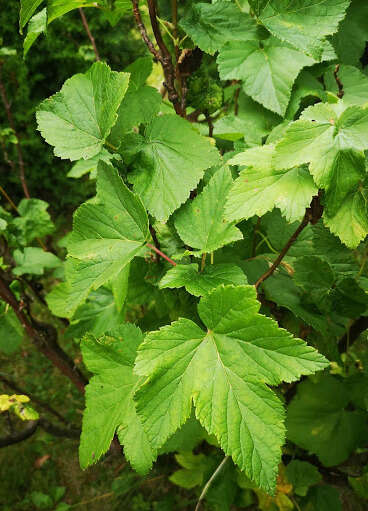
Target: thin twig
158, 251
41, 338
210, 124
142, 29
285, 250
89, 33
207, 486
9, 114
16, 438
340, 86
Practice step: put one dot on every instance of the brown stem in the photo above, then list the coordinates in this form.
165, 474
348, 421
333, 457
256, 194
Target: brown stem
42, 339
142, 29
340, 86
236, 101
158, 251
15, 438
89, 33
14, 386
9, 114
312, 215
210, 124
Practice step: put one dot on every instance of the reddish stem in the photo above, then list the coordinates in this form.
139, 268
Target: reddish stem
89, 33
158, 251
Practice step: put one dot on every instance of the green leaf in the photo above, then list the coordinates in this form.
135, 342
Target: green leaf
200, 223
83, 167
97, 316
259, 188
78, 128
360, 485
27, 9
37, 26
173, 157
211, 25
225, 371
304, 23
350, 40
109, 399
11, 333
57, 8
323, 498
34, 260
305, 86
317, 420
331, 138
302, 475
261, 67
200, 283
314, 275
107, 234
33, 222
195, 466
354, 82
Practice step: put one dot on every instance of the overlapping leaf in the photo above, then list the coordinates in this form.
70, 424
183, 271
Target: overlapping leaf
78, 119
173, 157
109, 399
201, 223
106, 235
259, 188
225, 371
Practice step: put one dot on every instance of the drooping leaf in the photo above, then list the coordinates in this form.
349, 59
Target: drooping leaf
259, 188
304, 23
261, 67
107, 234
224, 370
173, 157
200, 223
323, 425
200, 283
109, 399
332, 138
27, 9
78, 128
211, 25
34, 260
37, 26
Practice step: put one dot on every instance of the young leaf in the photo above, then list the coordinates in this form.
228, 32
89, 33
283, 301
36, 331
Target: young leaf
200, 283
304, 23
211, 25
262, 70
225, 371
260, 188
107, 234
173, 157
318, 420
37, 26
78, 129
27, 9
200, 223
33, 220
109, 399
34, 260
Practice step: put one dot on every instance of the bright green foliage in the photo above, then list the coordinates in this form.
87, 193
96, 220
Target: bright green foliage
224, 371
204, 94
83, 167
259, 188
110, 407
321, 424
27, 9
37, 26
211, 25
304, 23
332, 138
261, 67
302, 475
201, 223
200, 283
56, 8
173, 157
79, 129
34, 260
106, 235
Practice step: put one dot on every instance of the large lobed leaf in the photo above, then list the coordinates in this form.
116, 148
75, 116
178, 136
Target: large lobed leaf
78, 119
225, 371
